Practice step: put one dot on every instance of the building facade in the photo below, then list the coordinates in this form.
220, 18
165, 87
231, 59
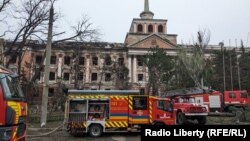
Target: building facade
98, 65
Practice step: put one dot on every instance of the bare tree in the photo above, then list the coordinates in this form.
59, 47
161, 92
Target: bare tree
4, 4
193, 58
32, 20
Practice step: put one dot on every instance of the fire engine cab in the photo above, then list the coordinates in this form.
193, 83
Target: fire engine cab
98, 111
13, 108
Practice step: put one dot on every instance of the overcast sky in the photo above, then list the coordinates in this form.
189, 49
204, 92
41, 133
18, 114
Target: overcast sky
226, 19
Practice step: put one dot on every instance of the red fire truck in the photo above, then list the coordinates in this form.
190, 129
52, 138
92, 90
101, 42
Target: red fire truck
216, 101
236, 98
187, 107
98, 111
13, 108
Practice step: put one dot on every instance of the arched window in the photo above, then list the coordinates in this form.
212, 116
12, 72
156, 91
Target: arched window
160, 29
108, 60
150, 28
139, 28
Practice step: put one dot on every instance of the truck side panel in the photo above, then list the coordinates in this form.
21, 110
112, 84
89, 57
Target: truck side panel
118, 116
138, 110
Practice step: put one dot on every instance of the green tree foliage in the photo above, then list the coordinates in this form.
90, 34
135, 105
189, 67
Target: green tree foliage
244, 66
230, 68
160, 69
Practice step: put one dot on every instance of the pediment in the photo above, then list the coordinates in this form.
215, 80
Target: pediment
153, 41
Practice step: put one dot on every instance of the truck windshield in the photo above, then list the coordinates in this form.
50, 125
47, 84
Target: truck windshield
11, 87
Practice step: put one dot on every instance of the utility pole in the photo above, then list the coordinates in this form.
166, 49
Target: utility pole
47, 67
223, 65
238, 69
231, 72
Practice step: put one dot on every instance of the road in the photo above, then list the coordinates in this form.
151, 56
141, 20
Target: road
63, 136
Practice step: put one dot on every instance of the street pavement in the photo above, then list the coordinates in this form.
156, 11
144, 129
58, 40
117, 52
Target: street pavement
61, 136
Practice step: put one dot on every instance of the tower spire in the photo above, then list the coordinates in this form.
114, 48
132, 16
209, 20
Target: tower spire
146, 14
146, 6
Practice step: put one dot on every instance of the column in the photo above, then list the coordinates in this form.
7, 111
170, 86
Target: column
134, 69
145, 28
59, 67
155, 28
87, 68
135, 28
130, 68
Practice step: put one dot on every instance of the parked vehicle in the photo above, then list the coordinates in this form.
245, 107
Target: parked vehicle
215, 101
98, 111
13, 108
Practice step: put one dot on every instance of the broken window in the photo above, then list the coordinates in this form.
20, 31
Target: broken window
94, 77
140, 61
140, 77
66, 60
53, 60
51, 92
121, 76
95, 61
13, 59
52, 76
142, 91
108, 60
39, 59
81, 60
66, 76
107, 76
80, 76
120, 61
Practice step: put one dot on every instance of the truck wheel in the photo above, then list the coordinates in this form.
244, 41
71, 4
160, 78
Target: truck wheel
202, 120
95, 130
180, 118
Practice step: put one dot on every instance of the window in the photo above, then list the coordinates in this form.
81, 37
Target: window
39, 73
10, 86
13, 59
140, 61
121, 76
243, 95
140, 77
142, 91
53, 60
150, 28
139, 28
66, 60
39, 59
52, 76
108, 60
164, 105
95, 61
66, 76
107, 77
232, 95
51, 92
160, 29
140, 103
81, 60
108, 89
94, 77
80, 76
120, 61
